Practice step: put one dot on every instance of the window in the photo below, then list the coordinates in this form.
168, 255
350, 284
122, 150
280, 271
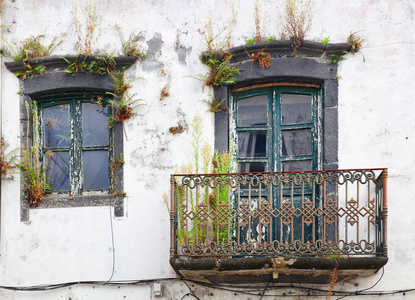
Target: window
75, 142
83, 168
277, 129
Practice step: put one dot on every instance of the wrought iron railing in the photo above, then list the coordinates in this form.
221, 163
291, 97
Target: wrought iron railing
309, 213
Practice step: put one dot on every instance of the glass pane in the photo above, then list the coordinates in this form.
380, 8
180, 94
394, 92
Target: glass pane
94, 124
295, 109
296, 142
252, 144
252, 111
96, 170
57, 127
57, 170
251, 167
303, 165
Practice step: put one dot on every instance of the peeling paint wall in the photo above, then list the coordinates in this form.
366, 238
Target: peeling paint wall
376, 129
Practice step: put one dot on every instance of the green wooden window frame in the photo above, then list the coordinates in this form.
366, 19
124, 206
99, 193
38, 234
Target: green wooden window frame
76, 147
274, 158
270, 125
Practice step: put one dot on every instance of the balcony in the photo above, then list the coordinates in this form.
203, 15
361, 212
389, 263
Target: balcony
285, 226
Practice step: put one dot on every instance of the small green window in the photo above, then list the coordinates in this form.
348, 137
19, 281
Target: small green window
76, 142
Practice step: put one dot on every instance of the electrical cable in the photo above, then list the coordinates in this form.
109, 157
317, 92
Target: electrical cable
191, 292
358, 292
263, 293
242, 289
394, 43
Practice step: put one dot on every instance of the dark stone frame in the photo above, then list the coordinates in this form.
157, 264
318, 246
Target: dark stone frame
308, 64
55, 81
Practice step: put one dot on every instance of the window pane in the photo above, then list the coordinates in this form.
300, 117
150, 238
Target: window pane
94, 124
303, 165
296, 142
252, 111
295, 109
251, 167
56, 126
57, 171
252, 144
96, 170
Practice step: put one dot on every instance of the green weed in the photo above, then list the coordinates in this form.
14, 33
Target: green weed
29, 48
6, 160
297, 19
325, 40
33, 174
131, 46
221, 71
216, 104
99, 65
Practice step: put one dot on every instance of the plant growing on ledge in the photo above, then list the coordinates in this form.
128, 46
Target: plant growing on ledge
5, 164
34, 176
335, 58
131, 46
355, 42
262, 57
221, 71
258, 35
123, 109
325, 40
28, 49
216, 105
99, 65
88, 37
217, 58
164, 92
297, 18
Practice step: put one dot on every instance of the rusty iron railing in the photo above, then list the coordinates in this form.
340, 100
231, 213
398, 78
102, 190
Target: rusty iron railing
309, 213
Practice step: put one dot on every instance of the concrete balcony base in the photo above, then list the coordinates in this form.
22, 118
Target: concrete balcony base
315, 270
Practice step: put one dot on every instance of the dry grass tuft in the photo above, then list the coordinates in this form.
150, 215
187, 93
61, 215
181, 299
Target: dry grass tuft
297, 19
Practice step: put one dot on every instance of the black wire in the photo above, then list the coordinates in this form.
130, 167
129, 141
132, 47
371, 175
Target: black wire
215, 286
263, 293
188, 294
358, 292
191, 292
113, 247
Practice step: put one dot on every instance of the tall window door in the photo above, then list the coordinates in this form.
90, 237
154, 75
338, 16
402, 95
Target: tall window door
277, 129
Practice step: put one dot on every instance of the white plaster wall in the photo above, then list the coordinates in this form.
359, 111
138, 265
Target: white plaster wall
376, 125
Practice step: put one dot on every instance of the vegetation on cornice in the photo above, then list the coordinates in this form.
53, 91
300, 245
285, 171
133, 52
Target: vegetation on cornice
98, 65
217, 57
26, 50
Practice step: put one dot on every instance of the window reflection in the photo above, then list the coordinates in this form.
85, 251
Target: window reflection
251, 167
57, 170
295, 109
296, 142
96, 175
56, 126
94, 124
303, 165
252, 144
252, 111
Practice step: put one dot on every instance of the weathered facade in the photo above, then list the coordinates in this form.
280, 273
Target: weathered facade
118, 225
